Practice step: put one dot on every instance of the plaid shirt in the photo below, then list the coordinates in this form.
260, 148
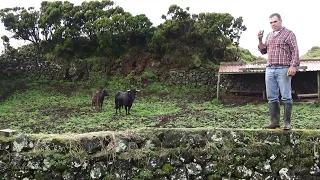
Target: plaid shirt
282, 48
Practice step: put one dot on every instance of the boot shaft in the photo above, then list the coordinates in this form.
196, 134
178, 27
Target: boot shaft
274, 111
287, 112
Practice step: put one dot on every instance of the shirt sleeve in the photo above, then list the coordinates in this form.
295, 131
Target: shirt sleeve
292, 41
263, 50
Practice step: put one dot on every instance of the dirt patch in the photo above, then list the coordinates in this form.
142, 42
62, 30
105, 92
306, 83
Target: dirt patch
165, 119
190, 97
58, 112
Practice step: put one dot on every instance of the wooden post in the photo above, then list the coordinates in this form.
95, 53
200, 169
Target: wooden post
318, 77
218, 86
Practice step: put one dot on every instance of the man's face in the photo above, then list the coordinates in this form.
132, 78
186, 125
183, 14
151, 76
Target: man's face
275, 23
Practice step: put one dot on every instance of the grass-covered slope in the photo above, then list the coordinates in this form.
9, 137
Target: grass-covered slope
313, 53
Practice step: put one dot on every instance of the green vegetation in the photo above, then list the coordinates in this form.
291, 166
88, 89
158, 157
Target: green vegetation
313, 53
46, 86
67, 108
104, 39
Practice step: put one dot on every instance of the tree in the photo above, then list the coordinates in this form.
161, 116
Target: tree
207, 33
219, 30
6, 44
23, 23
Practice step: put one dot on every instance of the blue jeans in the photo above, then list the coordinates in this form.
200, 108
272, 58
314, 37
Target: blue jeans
276, 79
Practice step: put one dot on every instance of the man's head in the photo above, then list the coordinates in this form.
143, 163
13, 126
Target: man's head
275, 21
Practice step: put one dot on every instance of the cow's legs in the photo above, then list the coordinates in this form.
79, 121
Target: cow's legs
129, 107
126, 108
116, 107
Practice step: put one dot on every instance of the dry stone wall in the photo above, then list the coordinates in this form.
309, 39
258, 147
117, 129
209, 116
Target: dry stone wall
164, 154
303, 82
193, 78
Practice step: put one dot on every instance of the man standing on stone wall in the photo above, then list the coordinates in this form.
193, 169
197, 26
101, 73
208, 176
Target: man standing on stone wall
283, 58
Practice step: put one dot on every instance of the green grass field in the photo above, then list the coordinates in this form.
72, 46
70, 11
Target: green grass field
51, 110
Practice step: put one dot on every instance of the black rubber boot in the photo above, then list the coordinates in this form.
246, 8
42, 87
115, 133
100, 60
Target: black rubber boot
274, 111
287, 116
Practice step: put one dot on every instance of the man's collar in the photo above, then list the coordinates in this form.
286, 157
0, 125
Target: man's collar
280, 29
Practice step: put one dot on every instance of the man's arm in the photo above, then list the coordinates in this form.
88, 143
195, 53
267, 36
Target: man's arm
262, 47
292, 42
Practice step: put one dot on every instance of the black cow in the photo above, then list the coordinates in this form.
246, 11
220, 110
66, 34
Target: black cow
98, 97
125, 99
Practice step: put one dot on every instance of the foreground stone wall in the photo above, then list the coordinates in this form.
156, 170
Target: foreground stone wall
168, 154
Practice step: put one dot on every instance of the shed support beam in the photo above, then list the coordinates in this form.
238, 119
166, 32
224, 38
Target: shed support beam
318, 77
218, 86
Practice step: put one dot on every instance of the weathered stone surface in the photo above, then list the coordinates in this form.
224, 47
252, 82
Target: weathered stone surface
179, 174
194, 78
21, 143
121, 146
91, 145
47, 175
3, 167
7, 132
196, 141
155, 162
98, 170
55, 145
172, 139
4, 146
165, 154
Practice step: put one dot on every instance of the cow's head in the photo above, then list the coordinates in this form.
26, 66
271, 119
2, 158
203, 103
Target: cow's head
105, 92
133, 92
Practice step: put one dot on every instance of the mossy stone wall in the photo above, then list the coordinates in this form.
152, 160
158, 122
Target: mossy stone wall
303, 82
168, 154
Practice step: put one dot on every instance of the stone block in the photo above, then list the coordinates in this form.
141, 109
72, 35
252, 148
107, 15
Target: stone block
7, 132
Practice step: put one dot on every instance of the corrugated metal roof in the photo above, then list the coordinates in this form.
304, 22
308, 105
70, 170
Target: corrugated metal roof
237, 68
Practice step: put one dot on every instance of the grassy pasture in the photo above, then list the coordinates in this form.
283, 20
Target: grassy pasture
67, 109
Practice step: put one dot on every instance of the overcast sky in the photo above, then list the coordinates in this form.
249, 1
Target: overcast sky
299, 16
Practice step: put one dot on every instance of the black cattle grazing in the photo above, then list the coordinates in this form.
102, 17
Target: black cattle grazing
98, 97
125, 99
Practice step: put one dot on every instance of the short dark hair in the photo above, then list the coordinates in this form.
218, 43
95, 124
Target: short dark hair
276, 14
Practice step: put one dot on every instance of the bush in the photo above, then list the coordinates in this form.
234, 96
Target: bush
216, 101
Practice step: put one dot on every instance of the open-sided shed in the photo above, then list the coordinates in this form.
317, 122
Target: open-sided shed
227, 68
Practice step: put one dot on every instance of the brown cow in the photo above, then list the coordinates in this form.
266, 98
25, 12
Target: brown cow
98, 97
